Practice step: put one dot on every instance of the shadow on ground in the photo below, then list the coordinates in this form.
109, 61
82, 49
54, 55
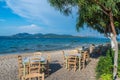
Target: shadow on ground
54, 66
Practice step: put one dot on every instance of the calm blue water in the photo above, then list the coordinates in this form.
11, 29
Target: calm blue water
42, 44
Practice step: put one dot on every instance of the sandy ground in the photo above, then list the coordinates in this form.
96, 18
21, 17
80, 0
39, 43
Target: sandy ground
9, 68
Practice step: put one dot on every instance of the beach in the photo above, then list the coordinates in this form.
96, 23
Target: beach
11, 48
9, 67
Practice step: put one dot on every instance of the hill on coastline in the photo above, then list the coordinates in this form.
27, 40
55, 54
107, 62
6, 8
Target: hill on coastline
39, 35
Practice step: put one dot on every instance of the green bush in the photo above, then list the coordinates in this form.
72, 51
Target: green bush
119, 64
105, 65
106, 77
104, 68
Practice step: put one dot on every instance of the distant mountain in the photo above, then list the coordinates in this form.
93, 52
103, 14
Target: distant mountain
22, 35
58, 36
39, 35
2, 37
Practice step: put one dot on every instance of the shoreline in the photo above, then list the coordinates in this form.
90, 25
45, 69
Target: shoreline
33, 51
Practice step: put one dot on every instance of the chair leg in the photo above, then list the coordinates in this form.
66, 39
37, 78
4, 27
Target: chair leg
19, 77
74, 68
38, 78
43, 76
22, 78
68, 67
83, 65
47, 70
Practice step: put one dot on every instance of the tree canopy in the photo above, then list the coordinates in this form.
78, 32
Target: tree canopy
94, 13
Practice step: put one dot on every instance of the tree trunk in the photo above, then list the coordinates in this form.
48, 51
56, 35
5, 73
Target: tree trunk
115, 59
115, 46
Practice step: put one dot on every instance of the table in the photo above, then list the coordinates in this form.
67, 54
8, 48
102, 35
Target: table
26, 61
77, 55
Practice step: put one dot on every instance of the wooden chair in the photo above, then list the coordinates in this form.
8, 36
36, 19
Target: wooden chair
72, 62
63, 55
84, 59
64, 58
21, 67
46, 69
48, 57
34, 70
87, 56
47, 65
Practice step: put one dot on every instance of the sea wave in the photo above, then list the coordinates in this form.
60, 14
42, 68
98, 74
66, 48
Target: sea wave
43, 44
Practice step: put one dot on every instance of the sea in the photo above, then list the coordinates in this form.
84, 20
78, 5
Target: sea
21, 45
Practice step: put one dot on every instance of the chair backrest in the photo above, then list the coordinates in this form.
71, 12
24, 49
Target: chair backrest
37, 54
79, 49
72, 59
63, 55
48, 57
34, 66
85, 55
20, 65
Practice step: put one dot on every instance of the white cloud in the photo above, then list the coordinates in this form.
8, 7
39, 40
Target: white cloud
33, 9
41, 13
38, 10
32, 29
29, 29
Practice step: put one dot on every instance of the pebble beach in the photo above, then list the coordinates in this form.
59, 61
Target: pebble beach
9, 67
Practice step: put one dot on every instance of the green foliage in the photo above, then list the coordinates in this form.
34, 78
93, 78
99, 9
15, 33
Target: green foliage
91, 13
106, 77
119, 64
64, 6
104, 68
104, 65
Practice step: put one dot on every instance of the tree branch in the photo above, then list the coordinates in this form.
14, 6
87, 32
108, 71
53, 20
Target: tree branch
104, 9
105, 12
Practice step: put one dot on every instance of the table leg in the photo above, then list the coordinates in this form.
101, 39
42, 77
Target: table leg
79, 63
24, 70
66, 63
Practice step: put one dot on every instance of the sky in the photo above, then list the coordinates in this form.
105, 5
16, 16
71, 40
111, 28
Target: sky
37, 16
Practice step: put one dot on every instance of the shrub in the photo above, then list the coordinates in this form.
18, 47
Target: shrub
105, 66
106, 77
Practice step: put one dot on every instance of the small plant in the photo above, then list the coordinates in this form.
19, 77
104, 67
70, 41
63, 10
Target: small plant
104, 68
106, 77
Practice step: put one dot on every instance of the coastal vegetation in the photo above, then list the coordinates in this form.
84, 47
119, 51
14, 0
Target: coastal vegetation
105, 66
100, 15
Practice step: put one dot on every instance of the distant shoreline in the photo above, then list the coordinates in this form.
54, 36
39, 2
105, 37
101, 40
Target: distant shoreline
49, 35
